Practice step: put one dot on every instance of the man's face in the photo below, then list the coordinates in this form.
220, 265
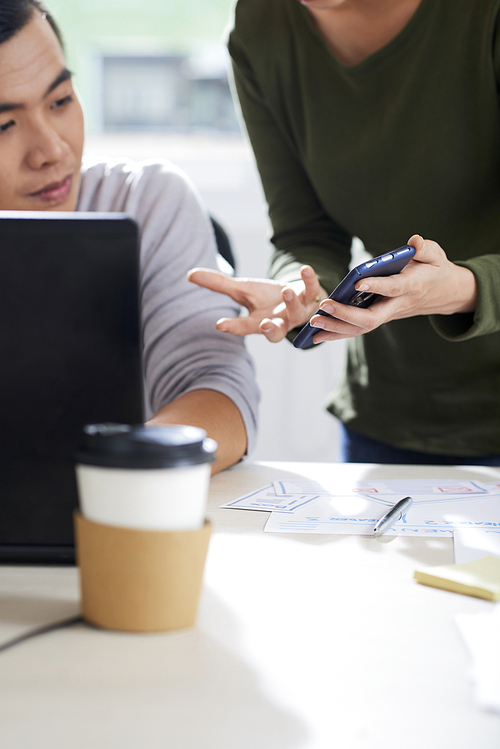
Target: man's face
41, 123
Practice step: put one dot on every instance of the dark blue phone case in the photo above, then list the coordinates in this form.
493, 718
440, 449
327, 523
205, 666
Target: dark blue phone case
384, 265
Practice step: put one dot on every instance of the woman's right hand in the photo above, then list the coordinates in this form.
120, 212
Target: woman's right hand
273, 308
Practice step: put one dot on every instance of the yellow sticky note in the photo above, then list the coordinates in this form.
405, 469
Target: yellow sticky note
480, 578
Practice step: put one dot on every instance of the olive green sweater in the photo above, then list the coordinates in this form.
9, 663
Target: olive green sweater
407, 141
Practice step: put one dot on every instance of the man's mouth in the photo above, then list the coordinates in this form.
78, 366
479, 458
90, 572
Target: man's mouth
55, 192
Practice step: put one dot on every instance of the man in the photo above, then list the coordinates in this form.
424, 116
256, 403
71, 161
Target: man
194, 374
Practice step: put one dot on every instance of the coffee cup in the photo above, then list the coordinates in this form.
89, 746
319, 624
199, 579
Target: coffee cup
141, 534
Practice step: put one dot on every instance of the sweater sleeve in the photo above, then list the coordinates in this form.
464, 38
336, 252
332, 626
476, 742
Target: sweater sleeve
183, 351
486, 318
486, 269
303, 234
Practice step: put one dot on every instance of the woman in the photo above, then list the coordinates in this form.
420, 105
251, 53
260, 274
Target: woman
377, 119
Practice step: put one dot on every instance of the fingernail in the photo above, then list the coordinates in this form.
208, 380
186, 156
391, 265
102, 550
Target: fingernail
362, 287
328, 308
221, 328
288, 295
318, 324
266, 328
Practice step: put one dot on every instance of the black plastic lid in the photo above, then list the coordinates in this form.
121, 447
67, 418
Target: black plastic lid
139, 446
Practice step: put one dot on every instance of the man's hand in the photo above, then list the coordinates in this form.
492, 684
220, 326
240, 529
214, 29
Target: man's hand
429, 285
273, 309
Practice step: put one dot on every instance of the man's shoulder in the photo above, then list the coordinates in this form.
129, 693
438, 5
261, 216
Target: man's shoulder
122, 171
112, 184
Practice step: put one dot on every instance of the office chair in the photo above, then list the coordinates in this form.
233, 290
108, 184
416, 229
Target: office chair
223, 243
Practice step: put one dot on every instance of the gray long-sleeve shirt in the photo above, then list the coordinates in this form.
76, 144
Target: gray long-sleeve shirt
183, 351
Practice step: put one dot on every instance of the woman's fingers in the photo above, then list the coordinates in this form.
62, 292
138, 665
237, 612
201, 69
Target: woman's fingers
346, 320
337, 325
323, 337
406, 282
343, 313
424, 250
388, 286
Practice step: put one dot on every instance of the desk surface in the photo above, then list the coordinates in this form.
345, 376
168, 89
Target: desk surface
307, 642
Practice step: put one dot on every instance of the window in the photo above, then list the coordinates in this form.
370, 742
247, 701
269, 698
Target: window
166, 92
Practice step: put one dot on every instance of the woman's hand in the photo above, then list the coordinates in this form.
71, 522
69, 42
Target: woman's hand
429, 285
273, 309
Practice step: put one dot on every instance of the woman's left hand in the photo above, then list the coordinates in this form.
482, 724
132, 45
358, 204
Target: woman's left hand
429, 285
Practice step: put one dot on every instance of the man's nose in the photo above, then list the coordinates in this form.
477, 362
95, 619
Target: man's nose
46, 147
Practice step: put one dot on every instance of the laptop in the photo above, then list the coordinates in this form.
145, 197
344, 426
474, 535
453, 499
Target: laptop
70, 354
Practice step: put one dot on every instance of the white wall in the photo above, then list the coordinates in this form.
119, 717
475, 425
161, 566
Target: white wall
294, 384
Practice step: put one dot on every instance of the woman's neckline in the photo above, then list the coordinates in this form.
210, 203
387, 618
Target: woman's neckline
399, 38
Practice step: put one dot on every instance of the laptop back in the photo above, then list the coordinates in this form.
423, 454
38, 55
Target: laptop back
70, 355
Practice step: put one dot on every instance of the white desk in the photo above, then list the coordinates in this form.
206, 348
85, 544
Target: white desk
307, 642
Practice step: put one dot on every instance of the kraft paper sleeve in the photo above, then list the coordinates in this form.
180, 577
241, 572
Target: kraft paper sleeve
140, 580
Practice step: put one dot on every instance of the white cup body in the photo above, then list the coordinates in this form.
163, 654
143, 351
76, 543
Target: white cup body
148, 499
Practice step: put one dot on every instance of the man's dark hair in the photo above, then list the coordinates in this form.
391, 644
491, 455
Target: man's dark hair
15, 14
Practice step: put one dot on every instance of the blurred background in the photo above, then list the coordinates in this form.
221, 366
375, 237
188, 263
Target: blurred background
153, 77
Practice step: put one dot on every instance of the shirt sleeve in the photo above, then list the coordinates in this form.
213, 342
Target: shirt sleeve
183, 351
303, 233
486, 269
486, 318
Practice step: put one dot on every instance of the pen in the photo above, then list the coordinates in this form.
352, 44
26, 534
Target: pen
394, 514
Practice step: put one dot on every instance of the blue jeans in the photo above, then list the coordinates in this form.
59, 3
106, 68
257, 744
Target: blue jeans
356, 448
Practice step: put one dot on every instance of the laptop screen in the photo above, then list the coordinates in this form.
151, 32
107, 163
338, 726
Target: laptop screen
70, 355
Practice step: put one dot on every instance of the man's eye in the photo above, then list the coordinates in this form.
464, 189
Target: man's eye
62, 102
6, 126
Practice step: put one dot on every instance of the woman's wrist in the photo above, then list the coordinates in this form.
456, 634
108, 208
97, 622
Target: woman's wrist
465, 297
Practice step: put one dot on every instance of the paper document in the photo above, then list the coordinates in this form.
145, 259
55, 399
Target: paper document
267, 499
474, 543
422, 490
439, 506
358, 515
492, 486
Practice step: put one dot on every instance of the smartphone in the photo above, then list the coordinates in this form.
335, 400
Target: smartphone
345, 293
